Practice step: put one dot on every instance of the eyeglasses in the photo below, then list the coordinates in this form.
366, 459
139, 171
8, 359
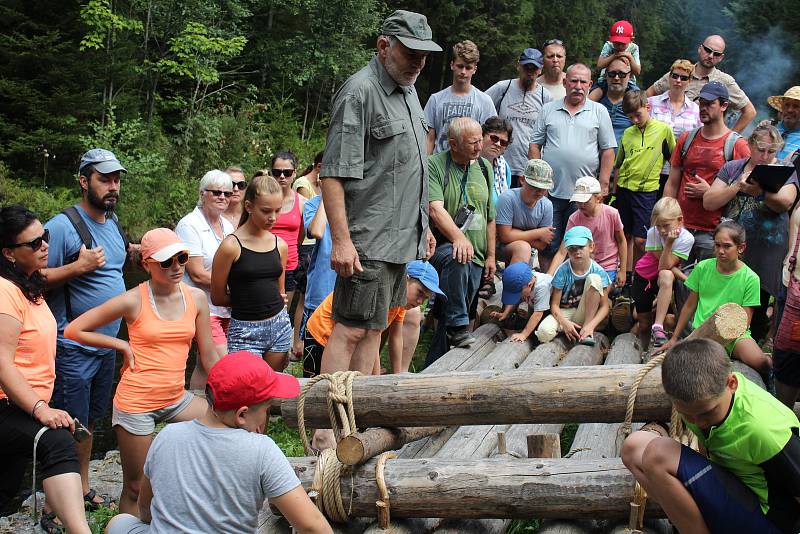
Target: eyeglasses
676, 76
240, 185
712, 51
616, 74
35, 244
217, 192
285, 172
182, 258
549, 42
496, 139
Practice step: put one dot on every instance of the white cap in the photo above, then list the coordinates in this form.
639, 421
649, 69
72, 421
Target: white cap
585, 187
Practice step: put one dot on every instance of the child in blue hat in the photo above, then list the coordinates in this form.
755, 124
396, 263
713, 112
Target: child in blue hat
521, 283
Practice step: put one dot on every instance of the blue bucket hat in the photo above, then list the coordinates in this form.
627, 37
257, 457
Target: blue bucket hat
577, 236
515, 278
426, 274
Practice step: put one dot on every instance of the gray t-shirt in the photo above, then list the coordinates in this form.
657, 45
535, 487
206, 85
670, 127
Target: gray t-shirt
512, 211
521, 109
213, 479
444, 106
572, 144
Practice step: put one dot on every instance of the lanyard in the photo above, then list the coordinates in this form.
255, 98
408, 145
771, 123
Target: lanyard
464, 178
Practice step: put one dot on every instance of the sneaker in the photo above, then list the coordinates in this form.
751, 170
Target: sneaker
621, 317
658, 335
461, 339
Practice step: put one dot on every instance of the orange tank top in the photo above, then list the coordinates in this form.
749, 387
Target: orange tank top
160, 350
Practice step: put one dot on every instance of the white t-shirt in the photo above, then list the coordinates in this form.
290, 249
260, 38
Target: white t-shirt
195, 231
539, 298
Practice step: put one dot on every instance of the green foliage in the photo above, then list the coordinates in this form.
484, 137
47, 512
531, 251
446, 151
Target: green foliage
98, 519
196, 55
286, 438
518, 526
104, 24
44, 202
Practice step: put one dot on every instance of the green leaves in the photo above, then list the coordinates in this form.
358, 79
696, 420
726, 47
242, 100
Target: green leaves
197, 55
104, 25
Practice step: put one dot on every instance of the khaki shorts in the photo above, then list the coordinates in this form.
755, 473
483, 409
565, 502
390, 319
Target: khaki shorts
364, 299
143, 424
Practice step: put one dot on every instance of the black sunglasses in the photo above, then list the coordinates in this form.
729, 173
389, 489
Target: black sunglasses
240, 185
182, 259
617, 74
676, 76
35, 244
712, 51
217, 192
286, 172
496, 139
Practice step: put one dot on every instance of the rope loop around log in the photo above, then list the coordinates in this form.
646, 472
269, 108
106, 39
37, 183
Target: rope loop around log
326, 487
384, 508
340, 405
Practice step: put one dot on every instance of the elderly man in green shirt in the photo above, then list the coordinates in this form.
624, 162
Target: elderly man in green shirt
375, 192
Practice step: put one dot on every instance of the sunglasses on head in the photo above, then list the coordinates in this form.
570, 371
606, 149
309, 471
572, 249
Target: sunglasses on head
549, 42
217, 192
676, 76
240, 185
496, 139
182, 258
286, 172
617, 74
35, 244
712, 51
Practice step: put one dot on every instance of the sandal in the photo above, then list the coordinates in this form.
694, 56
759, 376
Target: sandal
487, 289
89, 504
49, 525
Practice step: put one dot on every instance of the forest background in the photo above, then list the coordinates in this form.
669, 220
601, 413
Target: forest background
178, 87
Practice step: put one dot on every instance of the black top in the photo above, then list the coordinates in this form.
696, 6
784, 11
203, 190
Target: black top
253, 283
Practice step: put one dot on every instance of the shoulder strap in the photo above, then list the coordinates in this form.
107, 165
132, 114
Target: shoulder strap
499, 102
793, 257
688, 141
80, 227
446, 178
730, 144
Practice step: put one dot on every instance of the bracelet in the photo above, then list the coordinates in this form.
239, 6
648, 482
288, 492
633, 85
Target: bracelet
36, 407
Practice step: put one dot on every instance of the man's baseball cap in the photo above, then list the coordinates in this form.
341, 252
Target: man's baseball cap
515, 277
104, 161
539, 173
621, 32
777, 100
244, 379
411, 29
161, 244
585, 187
713, 91
531, 56
577, 236
426, 274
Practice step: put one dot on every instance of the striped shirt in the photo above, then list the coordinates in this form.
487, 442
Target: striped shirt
688, 118
791, 140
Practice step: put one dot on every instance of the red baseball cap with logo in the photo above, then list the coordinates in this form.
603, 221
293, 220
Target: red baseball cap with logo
621, 32
244, 379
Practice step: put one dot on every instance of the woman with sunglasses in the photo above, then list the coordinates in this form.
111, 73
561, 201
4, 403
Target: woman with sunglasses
203, 230
248, 276
234, 210
163, 316
496, 138
674, 107
27, 374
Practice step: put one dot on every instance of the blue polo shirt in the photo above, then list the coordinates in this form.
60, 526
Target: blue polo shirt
791, 140
320, 278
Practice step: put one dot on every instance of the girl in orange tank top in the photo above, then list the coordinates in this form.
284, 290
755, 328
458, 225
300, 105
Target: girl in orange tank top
163, 316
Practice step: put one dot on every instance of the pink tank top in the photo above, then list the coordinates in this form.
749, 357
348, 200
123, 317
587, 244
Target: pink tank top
287, 227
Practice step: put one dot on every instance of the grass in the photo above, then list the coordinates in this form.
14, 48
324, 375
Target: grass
98, 519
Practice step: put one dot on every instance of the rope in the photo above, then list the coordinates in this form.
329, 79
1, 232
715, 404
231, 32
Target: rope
35, 512
326, 487
384, 508
340, 405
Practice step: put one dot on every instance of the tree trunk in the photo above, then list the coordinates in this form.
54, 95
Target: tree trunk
727, 323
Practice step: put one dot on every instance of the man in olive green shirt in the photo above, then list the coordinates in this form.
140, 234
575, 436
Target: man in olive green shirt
462, 210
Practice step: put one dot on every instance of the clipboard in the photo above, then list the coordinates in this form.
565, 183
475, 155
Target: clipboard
771, 177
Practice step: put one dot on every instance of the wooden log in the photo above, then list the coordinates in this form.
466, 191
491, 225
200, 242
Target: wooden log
359, 447
488, 488
543, 446
724, 325
751, 374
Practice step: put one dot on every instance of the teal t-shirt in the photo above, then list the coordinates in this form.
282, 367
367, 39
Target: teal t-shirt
474, 191
716, 289
757, 428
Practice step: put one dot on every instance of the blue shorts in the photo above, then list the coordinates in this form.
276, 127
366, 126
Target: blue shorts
726, 503
259, 337
635, 209
612, 276
84, 381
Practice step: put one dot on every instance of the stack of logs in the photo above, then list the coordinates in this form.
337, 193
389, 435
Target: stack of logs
477, 434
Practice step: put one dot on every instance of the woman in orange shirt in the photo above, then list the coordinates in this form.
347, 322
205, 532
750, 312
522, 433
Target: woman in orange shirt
163, 316
27, 374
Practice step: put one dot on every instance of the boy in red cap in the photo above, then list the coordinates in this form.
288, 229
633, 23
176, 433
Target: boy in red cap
619, 45
212, 474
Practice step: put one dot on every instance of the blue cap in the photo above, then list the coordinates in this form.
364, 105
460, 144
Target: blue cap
515, 277
577, 236
531, 56
713, 91
104, 161
426, 274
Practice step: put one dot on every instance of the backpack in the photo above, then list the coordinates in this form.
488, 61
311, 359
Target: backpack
727, 150
86, 239
437, 234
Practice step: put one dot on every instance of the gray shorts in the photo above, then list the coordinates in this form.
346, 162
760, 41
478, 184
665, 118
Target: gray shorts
128, 524
259, 337
364, 299
143, 424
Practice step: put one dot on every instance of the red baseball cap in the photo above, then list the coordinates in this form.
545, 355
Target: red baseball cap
621, 32
244, 379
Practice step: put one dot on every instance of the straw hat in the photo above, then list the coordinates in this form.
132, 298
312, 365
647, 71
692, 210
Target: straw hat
777, 101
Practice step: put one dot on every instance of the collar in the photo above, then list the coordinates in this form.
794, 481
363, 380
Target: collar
708, 77
782, 129
563, 105
386, 82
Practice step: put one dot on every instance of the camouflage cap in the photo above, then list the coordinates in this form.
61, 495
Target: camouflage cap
539, 173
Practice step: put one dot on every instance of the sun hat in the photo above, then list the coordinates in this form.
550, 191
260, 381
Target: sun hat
161, 244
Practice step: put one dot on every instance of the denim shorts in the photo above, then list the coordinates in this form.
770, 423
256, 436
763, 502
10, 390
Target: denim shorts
84, 381
144, 424
259, 337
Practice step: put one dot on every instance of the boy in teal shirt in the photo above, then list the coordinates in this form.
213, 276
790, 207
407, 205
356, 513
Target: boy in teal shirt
750, 479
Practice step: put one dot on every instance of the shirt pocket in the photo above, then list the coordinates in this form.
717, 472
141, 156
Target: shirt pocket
390, 142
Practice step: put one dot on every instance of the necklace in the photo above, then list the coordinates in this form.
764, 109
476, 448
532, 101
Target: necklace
211, 227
